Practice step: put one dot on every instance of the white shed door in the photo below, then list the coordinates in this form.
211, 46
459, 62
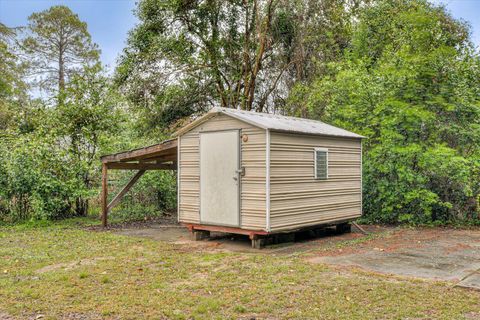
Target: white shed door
219, 178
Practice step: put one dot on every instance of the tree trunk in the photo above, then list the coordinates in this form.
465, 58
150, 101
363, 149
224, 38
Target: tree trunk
81, 207
250, 85
61, 72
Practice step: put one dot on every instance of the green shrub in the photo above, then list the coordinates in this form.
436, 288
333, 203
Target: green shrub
37, 182
153, 195
410, 83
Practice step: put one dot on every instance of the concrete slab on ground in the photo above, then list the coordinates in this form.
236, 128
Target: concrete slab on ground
428, 253
472, 281
420, 263
438, 254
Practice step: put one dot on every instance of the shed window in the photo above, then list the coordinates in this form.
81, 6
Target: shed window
321, 163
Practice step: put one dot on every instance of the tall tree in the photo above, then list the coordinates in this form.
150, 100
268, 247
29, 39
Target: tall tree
87, 117
12, 85
57, 46
8, 66
410, 82
186, 56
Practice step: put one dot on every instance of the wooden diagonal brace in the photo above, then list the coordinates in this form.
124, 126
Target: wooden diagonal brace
124, 191
356, 225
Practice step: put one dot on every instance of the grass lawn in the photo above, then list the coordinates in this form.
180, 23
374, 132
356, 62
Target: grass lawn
64, 271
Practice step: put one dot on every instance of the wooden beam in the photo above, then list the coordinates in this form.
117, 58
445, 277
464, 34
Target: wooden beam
251, 233
139, 166
104, 194
157, 158
165, 148
125, 189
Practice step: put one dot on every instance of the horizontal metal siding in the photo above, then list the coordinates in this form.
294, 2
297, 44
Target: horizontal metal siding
252, 204
297, 199
189, 178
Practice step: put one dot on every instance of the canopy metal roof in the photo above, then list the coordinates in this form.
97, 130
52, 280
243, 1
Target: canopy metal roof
161, 156
274, 122
162, 152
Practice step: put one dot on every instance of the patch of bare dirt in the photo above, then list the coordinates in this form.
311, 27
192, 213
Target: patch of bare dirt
66, 316
472, 316
167, 220
71, 265
458, 247
81, 316
6, 316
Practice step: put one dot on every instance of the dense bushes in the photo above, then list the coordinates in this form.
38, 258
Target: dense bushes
401, 72
49, 156
154, 194
39, 180
50, 144
410, 83
35, 180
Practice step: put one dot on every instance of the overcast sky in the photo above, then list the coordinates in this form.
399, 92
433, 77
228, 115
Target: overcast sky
110, 20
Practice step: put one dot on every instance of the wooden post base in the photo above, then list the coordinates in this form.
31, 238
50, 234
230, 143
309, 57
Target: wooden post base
198, 235
258, 243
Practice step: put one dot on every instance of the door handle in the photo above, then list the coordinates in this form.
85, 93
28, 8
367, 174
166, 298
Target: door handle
235, 178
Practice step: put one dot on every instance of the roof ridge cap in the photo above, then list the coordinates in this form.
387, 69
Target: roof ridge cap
265, 114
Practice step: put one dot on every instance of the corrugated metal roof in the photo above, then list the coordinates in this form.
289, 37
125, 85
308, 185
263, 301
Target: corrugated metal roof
275, 122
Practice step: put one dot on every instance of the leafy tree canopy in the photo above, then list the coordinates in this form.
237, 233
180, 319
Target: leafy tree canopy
187, 56
410, 82
12, 86
57, 45
401, 72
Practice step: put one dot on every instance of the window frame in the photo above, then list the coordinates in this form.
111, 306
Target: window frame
315, 162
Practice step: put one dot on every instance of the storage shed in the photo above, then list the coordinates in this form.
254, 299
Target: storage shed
257, 174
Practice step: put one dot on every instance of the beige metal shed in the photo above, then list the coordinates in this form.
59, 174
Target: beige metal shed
257, 174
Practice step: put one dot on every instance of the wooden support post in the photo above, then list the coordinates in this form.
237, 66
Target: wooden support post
257, 242
198, 235
104, 195
125, 189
